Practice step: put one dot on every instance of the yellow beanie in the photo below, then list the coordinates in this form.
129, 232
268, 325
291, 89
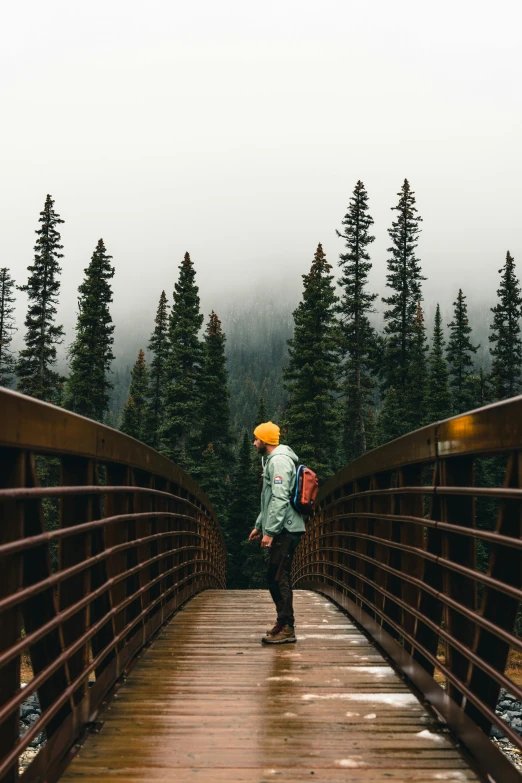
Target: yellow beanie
268, 433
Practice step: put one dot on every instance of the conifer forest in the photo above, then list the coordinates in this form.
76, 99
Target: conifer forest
347, 371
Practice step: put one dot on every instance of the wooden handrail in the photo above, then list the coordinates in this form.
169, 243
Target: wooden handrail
136, 538
394, 541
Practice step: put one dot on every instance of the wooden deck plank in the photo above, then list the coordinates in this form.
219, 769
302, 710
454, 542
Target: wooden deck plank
208, 703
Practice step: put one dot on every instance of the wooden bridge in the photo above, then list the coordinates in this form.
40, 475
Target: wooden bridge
113, 610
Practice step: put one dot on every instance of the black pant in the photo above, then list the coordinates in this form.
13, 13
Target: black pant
278, 577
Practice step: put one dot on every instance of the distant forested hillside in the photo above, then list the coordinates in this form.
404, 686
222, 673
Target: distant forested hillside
256, 354
256, 351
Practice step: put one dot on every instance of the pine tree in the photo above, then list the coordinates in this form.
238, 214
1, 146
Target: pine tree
134, 411
390, 419
35, 362
7, 327
404, 278
213, 453
417, 377
130, 420
439, 394
159, 347
311, 376
505, 334
212, 391
358, 336
182, 366
458, 353
242, 514
88, 386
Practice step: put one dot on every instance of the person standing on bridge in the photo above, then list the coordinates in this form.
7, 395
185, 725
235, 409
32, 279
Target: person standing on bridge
279, 527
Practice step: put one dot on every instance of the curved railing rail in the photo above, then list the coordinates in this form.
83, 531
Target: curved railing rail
414, 542
101, 539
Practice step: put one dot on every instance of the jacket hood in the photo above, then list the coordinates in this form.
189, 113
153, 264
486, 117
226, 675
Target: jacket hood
286, 450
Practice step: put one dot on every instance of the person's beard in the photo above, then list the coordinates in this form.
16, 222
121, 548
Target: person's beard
261, 449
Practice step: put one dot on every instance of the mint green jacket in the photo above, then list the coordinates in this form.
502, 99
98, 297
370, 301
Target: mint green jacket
277, 514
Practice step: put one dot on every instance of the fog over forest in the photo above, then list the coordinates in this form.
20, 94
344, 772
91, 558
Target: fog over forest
242, 299
256, 310
237, 133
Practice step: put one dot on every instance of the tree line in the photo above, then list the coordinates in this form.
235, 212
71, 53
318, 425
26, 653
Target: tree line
352, 388
338, 388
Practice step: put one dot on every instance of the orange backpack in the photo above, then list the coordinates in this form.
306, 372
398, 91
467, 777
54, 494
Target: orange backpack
305, 491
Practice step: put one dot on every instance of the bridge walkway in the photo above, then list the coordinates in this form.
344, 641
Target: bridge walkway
207, 702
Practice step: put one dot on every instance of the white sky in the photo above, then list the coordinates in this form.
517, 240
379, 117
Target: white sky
237, 130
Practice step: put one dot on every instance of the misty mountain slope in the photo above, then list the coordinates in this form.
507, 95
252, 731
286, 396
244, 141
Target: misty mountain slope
256, 353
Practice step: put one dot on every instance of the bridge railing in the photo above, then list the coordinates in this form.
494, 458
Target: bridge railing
101, 539
420, 540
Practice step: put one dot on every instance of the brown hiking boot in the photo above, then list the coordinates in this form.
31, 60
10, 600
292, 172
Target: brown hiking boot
275, 630
285, 636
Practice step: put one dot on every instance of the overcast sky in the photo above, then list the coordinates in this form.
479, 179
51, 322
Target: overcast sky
237, 130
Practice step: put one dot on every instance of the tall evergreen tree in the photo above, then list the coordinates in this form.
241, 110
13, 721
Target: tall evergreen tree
135, 409
35, 362
7, 327
439, 394
358, 336
243, 511
506, 347
88, 385
213, 453
214, 411
417, 376
459, 355
311, 376
159, 347
404, 278
182, 367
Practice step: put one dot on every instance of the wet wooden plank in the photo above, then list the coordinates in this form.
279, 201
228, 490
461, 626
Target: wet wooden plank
208, 703
282, 774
